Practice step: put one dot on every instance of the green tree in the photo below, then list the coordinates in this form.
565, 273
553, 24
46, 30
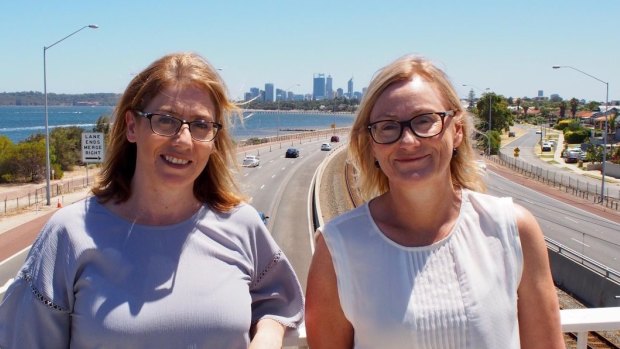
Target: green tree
611, 123
562, 109
496, 141
574, 103
29, 160
501, 117
65, 142
103, 125
7, 149
593, 106
471, 98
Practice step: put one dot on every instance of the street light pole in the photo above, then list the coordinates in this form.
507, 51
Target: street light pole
48, 170
489, 123
605, 127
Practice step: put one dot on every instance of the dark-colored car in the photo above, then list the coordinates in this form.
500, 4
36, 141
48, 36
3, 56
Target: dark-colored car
292, 153
263, 217
335, 139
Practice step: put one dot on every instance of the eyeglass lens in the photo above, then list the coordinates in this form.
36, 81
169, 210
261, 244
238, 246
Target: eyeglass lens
166, 125
389, 131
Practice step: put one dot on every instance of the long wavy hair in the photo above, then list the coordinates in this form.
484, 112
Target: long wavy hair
371, 181
215, 185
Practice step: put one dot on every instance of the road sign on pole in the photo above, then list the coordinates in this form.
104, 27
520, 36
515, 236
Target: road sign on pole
93, 147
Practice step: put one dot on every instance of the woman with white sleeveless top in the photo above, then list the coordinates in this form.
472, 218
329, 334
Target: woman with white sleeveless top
428, 261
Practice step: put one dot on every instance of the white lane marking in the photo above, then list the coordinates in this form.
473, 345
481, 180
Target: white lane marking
572, 220
246, 174
579, 242
273, 176
262, 186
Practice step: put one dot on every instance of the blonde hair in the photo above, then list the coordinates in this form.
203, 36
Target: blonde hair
371, 180
215, 185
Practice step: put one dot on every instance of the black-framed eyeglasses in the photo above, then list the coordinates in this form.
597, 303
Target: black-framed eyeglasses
424, 126
168, 126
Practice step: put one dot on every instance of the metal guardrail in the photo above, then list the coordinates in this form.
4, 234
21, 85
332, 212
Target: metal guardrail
576, 187
581, 259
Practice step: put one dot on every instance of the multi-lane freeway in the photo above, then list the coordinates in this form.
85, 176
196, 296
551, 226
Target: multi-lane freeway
587, 233
281, 187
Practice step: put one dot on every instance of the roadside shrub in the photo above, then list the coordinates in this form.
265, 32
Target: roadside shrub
562, 124
577, 136
7, 178
615, 156
58, 171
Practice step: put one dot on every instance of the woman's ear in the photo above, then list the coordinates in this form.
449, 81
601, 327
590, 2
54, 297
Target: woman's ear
458, 134
130, 122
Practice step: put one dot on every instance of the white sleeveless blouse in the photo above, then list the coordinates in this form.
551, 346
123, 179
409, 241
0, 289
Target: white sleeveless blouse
460, 292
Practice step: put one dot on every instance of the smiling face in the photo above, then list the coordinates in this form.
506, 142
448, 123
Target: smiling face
171, 163
412, 159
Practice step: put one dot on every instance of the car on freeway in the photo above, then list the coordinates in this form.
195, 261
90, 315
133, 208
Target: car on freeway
326, 146
546, 146
335, 139
482, 166
292, 153
263, 217
538, 132
251, 161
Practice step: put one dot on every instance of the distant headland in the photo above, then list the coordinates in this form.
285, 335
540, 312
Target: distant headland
32, 98
35, 98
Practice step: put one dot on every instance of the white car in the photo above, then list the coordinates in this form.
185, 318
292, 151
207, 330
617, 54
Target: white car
482, 166
251, 161
326, 146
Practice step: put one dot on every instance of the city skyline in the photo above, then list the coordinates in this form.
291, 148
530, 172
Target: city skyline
508, 47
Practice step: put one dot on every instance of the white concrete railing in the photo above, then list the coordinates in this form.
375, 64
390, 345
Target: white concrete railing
579, 321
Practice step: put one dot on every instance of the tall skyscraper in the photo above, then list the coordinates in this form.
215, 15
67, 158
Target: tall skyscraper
329, 93
269, 92
255, 92
318, 87
280, 95
350, 88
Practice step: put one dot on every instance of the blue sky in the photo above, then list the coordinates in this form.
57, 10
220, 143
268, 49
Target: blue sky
508, 46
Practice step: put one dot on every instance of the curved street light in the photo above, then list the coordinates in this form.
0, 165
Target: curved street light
489, 125
47, 132
605, 128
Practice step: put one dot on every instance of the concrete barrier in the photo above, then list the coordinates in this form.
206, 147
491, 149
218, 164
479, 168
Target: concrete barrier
590, 287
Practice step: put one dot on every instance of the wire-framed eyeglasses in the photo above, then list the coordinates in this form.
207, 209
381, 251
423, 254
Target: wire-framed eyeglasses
168, 126
423, 126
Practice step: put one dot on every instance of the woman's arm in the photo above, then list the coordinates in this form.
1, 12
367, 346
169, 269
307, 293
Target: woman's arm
538, 307
326, 325
268, 333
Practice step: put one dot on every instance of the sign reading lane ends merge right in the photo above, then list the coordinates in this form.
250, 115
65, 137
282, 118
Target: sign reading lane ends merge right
93, 147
